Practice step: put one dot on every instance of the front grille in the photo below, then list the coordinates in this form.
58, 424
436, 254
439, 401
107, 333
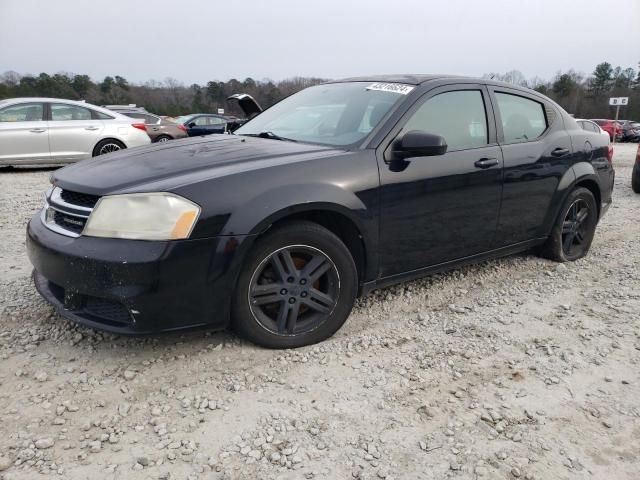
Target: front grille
69, 222
79, 199
67, 212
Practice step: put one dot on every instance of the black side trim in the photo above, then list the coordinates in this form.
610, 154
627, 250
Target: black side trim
367, 287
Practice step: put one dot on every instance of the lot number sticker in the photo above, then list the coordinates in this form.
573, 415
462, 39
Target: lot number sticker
400, 88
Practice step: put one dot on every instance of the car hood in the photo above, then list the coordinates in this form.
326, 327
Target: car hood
247, 103
167, 166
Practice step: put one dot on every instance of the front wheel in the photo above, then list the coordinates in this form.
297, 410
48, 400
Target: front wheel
574, 229
297, 287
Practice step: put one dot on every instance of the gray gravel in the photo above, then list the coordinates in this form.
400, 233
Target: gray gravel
515, 368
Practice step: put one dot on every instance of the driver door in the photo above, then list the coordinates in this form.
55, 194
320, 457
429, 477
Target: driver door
437, 209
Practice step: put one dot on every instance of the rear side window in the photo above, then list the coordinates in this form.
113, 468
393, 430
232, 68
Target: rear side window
523, 119
216, 121
62, 112
459, 117
101, 116
25, 112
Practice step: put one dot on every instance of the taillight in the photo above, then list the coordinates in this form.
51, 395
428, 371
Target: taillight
610, 153
139, 126
182, 127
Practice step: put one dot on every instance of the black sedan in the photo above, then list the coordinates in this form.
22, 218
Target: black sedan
339, 189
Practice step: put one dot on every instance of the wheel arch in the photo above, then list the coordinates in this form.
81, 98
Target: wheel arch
581, 174
333, 218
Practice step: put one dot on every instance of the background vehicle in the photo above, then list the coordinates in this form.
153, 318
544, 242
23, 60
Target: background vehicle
610, 127
635, 174
198, 124
378, 180
590, 126
37, 131
158, 129
630, 130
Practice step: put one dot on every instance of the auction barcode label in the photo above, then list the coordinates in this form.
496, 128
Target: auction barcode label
400, 88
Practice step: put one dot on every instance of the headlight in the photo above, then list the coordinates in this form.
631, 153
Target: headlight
142, 216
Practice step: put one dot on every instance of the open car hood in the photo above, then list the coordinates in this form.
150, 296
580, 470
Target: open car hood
249, 106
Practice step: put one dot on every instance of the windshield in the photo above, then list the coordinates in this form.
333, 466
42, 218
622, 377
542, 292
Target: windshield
336, 114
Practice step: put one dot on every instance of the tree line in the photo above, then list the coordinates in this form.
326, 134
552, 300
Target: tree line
582, 95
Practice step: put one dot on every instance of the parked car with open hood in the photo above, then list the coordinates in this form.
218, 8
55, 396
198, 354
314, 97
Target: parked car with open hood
46, 131
336, 190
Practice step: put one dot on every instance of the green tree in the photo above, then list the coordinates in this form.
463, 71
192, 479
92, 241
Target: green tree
602, 77
81, 84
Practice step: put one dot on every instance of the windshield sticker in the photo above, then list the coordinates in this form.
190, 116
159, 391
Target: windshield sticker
400, 88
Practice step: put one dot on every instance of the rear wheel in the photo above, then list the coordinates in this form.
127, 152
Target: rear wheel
635, 177
297, 287
574, 229
107, 146
163, 138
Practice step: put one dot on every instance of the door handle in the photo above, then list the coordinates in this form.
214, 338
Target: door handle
37, 130
92, 128
560, 152
486, 162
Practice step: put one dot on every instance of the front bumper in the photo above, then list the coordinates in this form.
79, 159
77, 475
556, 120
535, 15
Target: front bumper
134, 286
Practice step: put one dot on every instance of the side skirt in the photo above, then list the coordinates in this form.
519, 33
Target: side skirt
367, 287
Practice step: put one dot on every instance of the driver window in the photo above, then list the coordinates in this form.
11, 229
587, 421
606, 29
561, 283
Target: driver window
460, 117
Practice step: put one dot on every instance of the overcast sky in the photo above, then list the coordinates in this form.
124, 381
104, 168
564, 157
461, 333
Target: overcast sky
195, 42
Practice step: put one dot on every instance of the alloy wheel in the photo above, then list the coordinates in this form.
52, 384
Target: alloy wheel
294, 290
575, 228
108, 148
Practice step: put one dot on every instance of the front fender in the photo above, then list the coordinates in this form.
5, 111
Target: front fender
255, 216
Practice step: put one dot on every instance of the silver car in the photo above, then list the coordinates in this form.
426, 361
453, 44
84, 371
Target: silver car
45, 131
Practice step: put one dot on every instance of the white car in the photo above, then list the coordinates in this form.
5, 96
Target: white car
590, 126
46, 131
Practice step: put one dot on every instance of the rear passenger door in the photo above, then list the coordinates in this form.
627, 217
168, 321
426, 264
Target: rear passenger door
437, 209
73, 132
537, 151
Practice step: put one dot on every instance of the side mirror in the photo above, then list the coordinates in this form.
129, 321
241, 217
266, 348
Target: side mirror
417, 143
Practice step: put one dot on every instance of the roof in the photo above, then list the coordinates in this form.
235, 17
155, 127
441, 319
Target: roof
410, 79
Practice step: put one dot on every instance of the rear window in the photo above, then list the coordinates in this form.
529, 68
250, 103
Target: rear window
523, 119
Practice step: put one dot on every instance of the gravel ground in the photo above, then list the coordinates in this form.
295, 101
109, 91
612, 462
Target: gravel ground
515, 368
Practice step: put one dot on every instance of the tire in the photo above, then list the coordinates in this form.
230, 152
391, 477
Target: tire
635, 177
163, 138
107, 145
276, 306
573, 231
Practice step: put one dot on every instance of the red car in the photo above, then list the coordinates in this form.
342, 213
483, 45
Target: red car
609, 126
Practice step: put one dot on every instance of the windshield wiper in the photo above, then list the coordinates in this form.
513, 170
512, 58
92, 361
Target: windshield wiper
270, 135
